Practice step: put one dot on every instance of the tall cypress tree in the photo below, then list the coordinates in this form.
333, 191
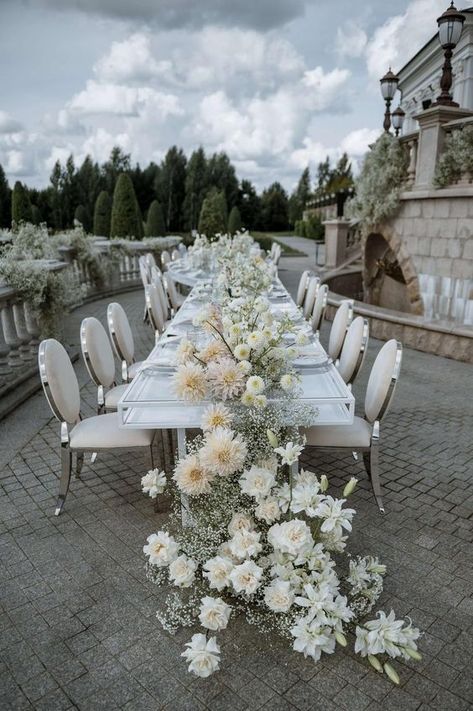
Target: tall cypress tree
234, 220
126, 217
196, 187
20, 204
212, 220
5, 200
81, 215
155, 226
102, 215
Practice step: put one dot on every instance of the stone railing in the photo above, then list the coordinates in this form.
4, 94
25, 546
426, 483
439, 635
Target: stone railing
19, 330
411, 141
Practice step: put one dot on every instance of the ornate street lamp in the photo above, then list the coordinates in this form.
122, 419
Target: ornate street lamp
450, 29
388, 88
398, 117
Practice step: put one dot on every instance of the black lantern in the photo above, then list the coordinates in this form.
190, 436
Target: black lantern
388, 88
450, 29
398, 117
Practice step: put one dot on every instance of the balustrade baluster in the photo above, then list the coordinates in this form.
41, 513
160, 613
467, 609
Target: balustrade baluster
11, 337
26, 352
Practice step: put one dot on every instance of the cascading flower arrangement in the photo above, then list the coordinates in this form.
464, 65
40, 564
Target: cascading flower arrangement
250, 531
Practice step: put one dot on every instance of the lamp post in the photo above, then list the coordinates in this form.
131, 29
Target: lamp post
388, 88
398, 117
450, 29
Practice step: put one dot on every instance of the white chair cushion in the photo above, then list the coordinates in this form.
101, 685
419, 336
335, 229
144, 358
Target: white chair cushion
380, 380
356, 435
104, 432
134, 367
339, 329
113, 396
96, 344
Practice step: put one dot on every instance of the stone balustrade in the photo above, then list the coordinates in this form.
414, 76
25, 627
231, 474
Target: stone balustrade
19, 329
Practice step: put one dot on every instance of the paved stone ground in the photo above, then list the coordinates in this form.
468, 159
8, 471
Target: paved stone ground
77, 615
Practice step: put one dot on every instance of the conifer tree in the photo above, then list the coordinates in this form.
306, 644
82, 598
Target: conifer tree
102, 215
126, 216
20, 204
234, 221
155, 226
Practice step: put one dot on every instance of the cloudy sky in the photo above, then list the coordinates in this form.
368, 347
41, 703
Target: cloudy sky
278, 84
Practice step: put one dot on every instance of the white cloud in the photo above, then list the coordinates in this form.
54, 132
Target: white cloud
401, 36
121, 100
351, 40
9, 124
131, 61
356, 142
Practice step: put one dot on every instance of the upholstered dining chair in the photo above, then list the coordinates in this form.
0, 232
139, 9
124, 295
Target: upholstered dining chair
338, 331
122, 340
145, 274
80, 435
354, 348
276, 253
157, 278
364, 434
155, 312
150, 261
310, 296
320, 306
176, 299
165, 259
175, 255
100, 363
182, 248
302, 287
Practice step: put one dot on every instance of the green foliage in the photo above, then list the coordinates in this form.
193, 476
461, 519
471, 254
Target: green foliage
380, 182
274, 208
457, 159
102, 215
84, 251
170, 187
155, 226
196, 187
234, 220
5, 200
331, 179
20, 205
312, 228
126, 217
81, 216
299, 197
249, 204
35, 215
212, 219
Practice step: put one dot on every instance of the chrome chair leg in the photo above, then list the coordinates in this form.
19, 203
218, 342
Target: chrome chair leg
371, 461
66, 466
355, 456
79, 464
93, 457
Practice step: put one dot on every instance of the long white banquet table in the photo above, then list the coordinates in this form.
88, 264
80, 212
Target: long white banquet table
149, 401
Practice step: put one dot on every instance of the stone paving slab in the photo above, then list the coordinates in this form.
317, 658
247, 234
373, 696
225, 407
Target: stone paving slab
77, 623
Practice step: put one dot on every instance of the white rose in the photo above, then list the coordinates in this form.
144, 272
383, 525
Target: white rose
257, 482
278, 596
246, 577
203, 656
161, 549
217, 571
240, 522
214, 613
245, 544
182, 571
153, 483
268, 510
290, 537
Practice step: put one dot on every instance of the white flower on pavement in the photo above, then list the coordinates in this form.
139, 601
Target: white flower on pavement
161, 549
279, 596
214, 613
311, 638
257, 482
268, 510
203, 655
240, 522
292, 537
246, 578
245, 544
217, 571
182, 571
334, 516
153, 483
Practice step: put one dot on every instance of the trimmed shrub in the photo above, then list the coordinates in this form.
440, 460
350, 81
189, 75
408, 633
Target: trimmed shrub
126, 215
102, 215
81, 216
20, 204
212, 220
155, 226
234, 221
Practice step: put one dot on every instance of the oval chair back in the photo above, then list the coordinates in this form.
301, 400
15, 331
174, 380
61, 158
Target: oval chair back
310, 296
120, 333
165, 258
182, 249
354, 349
150, 261
59, 381
302, 288
158, 280
175, 255
277, 253
338, 331
320, 305
155, 314
382, 381
97, 352
172, 292
144, 270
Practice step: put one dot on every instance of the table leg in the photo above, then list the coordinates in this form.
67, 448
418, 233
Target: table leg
186, 517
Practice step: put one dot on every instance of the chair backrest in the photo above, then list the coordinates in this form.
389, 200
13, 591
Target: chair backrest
150, 260
310, 296
354, 349
175, 255
158, 280
59, 381
120, 333
171, 291
338, 331
97, 352
302, 288
155, 273
165, 257
382, 381
271, 251
276, 253
318, 312
144, 270
153, 305
182, 248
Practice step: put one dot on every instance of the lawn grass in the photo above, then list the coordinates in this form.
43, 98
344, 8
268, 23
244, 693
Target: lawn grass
266, 239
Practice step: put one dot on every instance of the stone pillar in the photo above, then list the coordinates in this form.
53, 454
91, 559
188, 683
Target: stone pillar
432, 141
336, 234
22, 332
10, 336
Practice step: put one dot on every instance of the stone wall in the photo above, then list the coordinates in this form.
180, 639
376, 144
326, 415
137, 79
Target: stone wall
432, 237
